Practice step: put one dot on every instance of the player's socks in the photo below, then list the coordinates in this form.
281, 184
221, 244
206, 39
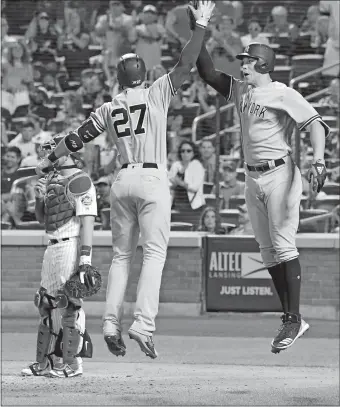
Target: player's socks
279, 281
292, 272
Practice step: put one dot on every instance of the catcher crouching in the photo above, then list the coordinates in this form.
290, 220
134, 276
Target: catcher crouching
66, 204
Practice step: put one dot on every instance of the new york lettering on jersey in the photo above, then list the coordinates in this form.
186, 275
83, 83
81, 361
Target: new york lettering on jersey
136, 119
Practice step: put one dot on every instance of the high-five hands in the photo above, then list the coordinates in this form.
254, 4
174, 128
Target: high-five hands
200, 12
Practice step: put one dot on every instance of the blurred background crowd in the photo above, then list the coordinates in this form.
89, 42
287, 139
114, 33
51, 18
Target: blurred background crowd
59, 64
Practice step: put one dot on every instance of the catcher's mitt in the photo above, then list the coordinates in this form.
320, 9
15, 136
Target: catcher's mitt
92, 282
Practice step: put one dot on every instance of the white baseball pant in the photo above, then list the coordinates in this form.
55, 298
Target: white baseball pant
140, 206
273, 203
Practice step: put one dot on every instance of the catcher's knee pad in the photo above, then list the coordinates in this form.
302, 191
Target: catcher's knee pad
62, 300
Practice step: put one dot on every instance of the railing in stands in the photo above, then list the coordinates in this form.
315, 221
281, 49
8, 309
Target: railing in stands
293, 81
204, 116
317, 94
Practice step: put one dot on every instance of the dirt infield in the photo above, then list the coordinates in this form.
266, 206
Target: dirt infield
203, 361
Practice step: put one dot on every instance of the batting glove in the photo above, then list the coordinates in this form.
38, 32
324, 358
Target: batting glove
43, 167
203, 12
317, 175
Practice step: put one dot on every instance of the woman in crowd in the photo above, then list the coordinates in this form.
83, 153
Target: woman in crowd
73, 44
186, 182
41, 37
255, 34
17, 77
208, 222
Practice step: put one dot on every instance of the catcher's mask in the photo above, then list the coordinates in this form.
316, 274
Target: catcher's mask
50, 145
264, 55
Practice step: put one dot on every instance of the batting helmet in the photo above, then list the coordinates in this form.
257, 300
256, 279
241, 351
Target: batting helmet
131, 70
263, 53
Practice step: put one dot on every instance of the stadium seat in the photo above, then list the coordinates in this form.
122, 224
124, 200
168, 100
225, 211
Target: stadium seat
302, 64
207, 187
210, 200
281, 74
236, 201
331, 121
168, 62
6, 225
281, 60
318, 226
230, 216
328, 202
323, 110
181, 226
32, 225
331, 188
240, 175
189, 113
94, 50
228, 226
105, 216
97, 226
57, 99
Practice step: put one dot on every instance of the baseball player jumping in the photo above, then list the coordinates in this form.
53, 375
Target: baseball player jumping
66, 204
267, 110
140, 196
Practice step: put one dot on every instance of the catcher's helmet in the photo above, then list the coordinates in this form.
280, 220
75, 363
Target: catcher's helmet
263, 53
131, 70
50, 145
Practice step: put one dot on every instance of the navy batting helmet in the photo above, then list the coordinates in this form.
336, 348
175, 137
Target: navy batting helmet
131, 70
263, 53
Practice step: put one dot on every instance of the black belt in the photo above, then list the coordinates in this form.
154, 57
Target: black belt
265, 167
145, 165
55, 241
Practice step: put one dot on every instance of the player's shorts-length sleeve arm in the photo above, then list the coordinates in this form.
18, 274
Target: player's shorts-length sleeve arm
300, 110
86, 204
99, 117
161, 92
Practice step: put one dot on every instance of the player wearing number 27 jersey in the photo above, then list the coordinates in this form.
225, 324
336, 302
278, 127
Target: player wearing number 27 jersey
140, 197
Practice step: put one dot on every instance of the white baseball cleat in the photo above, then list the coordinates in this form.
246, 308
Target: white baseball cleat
66, 370
34, 369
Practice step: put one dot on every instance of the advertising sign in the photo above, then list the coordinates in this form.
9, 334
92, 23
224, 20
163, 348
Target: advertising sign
236, 279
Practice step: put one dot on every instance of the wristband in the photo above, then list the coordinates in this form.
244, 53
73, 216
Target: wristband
202, 23
52, 157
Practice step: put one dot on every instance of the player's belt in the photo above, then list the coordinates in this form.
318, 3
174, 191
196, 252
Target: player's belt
266, 167
145, 165
55, 241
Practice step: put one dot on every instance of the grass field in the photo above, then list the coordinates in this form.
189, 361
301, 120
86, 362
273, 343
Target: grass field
213, 360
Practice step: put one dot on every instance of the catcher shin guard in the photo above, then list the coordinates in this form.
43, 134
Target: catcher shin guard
73, 326
50, 324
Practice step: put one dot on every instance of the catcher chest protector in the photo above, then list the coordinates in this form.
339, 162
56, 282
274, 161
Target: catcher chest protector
131, 70
263, 53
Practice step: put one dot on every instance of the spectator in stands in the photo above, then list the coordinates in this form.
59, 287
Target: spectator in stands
5, 38
17, 77
244, 227
199, 92
255, 34
223, 45
72, 107
241, 26
332, 100
24, 139
4, 134
280, 24
177, 28
33, 160
207, 150
40, 135
39, 98
174, 136
186, 181
41, 36
310, 23
85, 89
11, 162
319, 40
332, 54
156, 72
115, 29
208, 222
73, 44
149, 37
103, 187
230, 186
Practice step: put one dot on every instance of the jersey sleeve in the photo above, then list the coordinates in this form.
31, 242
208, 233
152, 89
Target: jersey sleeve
162, 91
301, 111
99, 117
236, 90
86, 204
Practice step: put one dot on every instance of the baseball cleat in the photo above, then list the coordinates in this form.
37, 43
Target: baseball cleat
66, 371
115, 344
292, 328
145, 343
34, 369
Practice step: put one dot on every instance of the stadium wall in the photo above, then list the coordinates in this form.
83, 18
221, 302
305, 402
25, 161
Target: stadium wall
181, 292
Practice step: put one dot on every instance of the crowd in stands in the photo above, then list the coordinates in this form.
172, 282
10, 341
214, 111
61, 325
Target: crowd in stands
59, 63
